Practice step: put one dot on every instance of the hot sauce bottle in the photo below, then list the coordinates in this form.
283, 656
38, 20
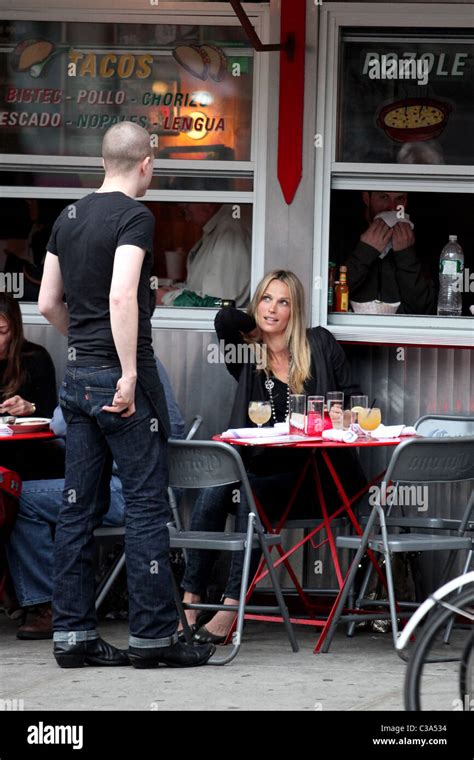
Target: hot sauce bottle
342, 291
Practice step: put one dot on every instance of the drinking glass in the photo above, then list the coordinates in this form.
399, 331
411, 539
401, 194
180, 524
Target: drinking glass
260, 412
297, 413
315, 415
369, 419
336, 398
358, 404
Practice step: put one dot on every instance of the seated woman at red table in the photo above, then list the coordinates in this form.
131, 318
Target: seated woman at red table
297, 361
27, 389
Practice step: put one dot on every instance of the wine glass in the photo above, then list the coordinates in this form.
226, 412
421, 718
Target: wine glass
260, 412
369, 419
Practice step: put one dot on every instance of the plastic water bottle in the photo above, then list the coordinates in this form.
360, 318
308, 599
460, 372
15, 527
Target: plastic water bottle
451, 267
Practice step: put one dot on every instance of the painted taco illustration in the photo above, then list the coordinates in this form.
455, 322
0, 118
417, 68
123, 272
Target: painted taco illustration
202, 61
30, 53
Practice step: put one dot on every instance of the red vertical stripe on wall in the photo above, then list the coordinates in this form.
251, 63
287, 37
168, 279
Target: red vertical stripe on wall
291, 105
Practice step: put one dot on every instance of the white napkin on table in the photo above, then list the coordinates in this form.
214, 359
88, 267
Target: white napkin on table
346, 436
392, 431
252, 432
5, 430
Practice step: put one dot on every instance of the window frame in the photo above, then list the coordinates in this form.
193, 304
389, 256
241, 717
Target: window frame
204, 14
332, 175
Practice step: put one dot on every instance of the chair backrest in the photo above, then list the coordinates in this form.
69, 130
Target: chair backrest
445, 425
432, 460
195, 425
205, 464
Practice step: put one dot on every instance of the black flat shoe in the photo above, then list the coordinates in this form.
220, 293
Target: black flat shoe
203, 636
177, 655
192, 629
95, 652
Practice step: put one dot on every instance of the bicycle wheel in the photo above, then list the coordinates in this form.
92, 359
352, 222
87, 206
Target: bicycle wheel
439, 676
466, 674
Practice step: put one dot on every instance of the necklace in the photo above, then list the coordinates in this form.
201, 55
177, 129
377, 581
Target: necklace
269, 385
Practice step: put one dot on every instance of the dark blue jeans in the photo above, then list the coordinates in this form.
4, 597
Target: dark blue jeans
94, 439
210, 512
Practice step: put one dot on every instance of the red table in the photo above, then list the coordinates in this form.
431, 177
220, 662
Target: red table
345, 508
43, 435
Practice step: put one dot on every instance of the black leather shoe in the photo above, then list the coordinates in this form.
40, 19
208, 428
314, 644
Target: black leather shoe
178, 655
95, 652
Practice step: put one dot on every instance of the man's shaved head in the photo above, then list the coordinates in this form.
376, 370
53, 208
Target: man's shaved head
124, 146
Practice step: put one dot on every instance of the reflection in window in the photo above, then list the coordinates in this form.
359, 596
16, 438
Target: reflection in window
406, 97
25, 227
391, 273
202, 251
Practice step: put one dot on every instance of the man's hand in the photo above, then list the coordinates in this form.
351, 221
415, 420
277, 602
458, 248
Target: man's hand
17, 407
377, 235
402, 237
124, 398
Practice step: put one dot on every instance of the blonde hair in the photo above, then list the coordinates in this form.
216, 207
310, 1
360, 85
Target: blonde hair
124, 146
295, 334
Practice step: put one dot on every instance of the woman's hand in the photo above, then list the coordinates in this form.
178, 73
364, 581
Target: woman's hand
17, 407
336, 415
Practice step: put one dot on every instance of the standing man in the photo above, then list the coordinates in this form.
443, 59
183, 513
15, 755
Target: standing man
100, 256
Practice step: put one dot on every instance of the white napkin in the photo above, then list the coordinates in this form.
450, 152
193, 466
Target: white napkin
5, 430
392, 431
346, 436
391, 219
253, 432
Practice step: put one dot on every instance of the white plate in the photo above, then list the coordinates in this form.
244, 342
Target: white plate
30, 424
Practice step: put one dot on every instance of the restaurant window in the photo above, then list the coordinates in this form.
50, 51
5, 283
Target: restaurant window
414, 97
396, 130
192, 85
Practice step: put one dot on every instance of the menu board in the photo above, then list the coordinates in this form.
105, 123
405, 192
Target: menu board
414, 101
62, 85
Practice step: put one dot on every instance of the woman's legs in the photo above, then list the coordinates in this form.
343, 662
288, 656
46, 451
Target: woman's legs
273, 491
209, 514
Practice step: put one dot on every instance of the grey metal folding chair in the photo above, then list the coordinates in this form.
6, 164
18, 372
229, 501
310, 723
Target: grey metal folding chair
108, 581
207, 464
416, 461
445, 425
429, 426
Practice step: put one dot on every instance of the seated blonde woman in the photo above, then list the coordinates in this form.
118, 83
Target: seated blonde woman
295, 360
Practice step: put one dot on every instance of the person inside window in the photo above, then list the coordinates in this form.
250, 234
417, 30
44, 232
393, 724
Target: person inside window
294, 360
218, 265
384, 273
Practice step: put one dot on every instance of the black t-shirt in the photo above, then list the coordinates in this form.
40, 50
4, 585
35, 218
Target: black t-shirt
85, 237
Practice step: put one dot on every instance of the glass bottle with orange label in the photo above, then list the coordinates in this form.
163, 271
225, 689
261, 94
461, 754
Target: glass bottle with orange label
342, 291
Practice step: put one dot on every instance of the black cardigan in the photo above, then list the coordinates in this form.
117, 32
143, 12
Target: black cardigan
330, 371
39, 384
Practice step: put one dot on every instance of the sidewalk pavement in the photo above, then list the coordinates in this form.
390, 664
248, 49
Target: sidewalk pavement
362, 673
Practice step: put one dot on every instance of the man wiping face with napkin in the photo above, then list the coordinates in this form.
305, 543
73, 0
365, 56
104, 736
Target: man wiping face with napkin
383, 272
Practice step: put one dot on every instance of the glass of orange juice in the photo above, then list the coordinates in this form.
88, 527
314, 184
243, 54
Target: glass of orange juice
369, 419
